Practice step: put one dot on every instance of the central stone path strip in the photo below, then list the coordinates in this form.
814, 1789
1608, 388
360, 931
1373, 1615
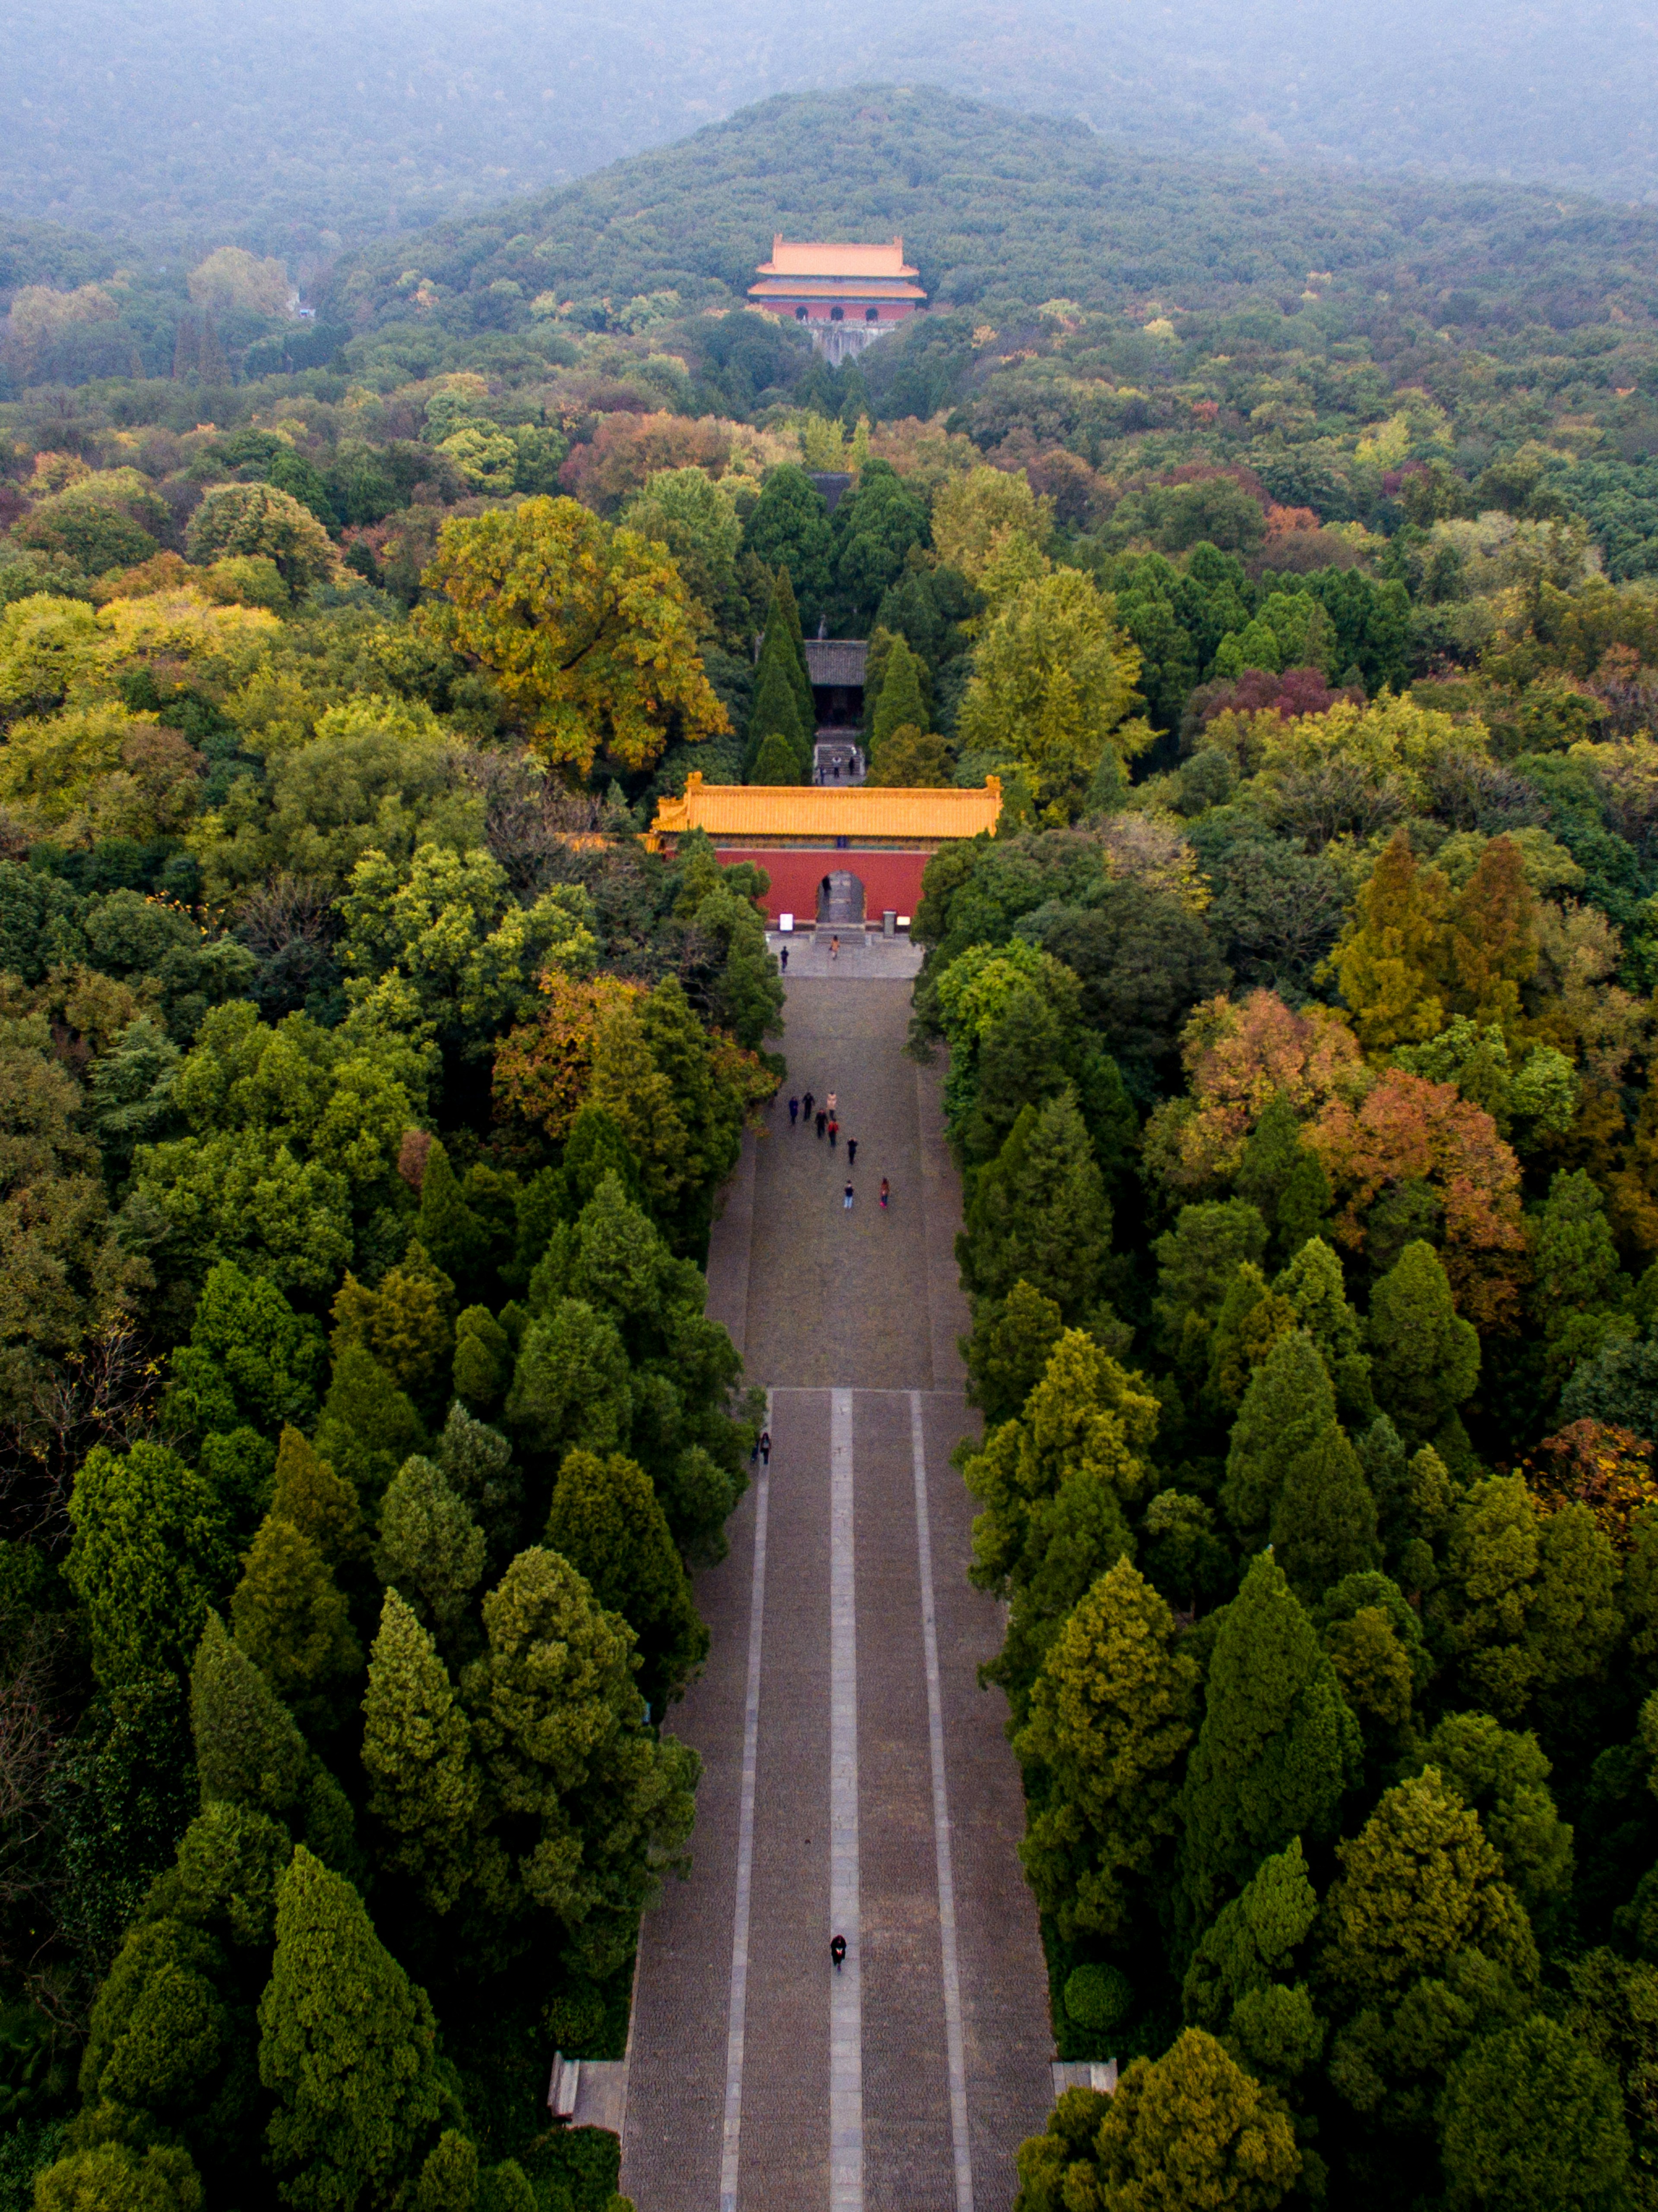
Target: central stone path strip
855, 1777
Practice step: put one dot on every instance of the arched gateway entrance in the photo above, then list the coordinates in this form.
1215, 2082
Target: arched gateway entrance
840, 900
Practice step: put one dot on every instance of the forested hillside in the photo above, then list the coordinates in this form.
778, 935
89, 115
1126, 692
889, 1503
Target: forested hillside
288, 131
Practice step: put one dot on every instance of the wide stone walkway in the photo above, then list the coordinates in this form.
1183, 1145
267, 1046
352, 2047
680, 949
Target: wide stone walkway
856, 1780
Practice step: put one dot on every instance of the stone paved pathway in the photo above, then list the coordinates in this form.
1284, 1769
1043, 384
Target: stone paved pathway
856, 1777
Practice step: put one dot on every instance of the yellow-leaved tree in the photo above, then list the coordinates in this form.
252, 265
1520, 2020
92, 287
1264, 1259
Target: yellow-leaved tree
587, 631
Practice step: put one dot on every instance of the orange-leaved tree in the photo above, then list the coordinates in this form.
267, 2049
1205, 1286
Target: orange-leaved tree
1405, 1129
1240, 1056
587, 631
1597, 1464
543, 1072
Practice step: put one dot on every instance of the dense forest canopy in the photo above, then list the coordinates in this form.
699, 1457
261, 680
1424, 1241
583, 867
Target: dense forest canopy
289, 130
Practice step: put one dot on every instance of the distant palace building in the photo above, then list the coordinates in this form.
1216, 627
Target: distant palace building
846, 295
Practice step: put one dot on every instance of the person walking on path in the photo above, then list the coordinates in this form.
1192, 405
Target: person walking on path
847, 1204
834, 1131
831, 1102
765, 1447
823, 1120
794, 1112
886, 1193
837, 1950
806, 1105
851, 1150
782, 959
834, 948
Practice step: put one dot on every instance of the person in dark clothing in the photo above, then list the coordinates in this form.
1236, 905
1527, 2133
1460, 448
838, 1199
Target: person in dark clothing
823, 1120
837, 1950
794, 1111
852, 1151
806, 1104
765, 1447
834, 1131
886, 1193
847, 1203
782, 959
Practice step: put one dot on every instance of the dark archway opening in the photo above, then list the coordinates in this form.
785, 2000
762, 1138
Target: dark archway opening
840, 900
872, 314
838, 314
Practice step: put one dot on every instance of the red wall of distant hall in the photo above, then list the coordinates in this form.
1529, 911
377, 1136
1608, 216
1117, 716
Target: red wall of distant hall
889, 879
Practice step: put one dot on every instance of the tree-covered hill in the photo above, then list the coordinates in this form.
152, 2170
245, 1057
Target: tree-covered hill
992, 204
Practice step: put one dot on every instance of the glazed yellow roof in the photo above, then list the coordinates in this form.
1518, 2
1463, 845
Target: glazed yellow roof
794, 258
809, 810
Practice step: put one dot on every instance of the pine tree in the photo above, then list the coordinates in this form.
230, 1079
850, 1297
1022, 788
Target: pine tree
430, 1548
785, 612
1252, 1319
1285, 1182
572, 1383
1288, 1404
482, 1360
1324, 1525
289, 1617
347, 2049
1277, 1749
1111, 1715
317, 1502
1424, 1359
1197, 1261
606, 1520
417, 1752
1316, 1292
478, 1462
408, 1324
249, 1752
1576, 1281
901, 704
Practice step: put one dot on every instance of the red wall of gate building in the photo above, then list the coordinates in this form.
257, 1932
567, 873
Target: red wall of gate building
889, 879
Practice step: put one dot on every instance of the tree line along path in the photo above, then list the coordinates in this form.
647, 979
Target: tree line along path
856, 1780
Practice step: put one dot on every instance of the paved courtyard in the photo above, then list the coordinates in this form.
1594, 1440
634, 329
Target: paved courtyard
856, 1780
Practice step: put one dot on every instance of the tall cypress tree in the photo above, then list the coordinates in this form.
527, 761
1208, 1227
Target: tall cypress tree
901, 704
348, 2047
417, 1749
1288, 1404
1277, 1749
776, 714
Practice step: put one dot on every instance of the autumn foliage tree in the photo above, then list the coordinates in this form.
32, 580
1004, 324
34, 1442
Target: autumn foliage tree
587, 631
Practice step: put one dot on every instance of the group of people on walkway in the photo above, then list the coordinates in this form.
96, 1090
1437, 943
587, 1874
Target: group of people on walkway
826, 1119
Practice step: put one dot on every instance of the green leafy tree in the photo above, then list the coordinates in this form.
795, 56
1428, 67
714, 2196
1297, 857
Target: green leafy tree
1577, 1284
1012, 1340
111, 2177
570, 1386
368, 1427
1314, 1287
1531, 2117
423, 1788
320, 1503
606, 1520
777, 762
482, 1360
347, 2049
1197, 1261
1277, 1746
1285, 1181
250, 1358
148, 1558
1111, 1715
1324, 1525
430, 1547
1188, 2132
789, 529
1504, 1777
875, 527
249, 1753
250, 520
1240, 1983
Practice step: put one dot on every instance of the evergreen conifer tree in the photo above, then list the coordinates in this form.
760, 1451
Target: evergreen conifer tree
1012, 1341
1316, 1291
1285, 1181
1424, 1357
606, 1520
289, 1617
249, 1752
1111, 1715
417, 1751
1039, 1212
455, 1238
901, 704
1277, 1749
776, 714
1288, 1404
1324, 1525
430, 1547
347, 2049
308, 1493
785, 613
1390, 960
482, 1360
369, 1427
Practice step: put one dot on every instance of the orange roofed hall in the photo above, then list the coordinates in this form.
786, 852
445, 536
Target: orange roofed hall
844, 294
800, 832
